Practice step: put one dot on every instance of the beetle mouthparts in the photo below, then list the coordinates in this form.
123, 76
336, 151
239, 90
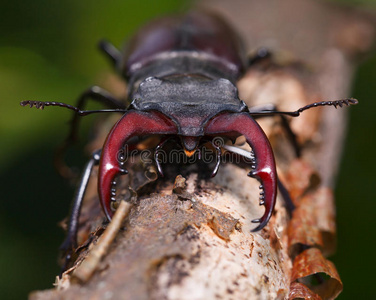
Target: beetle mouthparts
190, 144
189, 153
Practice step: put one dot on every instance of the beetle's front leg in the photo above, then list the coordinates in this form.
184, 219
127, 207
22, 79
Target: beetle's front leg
93, 93
263, 166
70, 243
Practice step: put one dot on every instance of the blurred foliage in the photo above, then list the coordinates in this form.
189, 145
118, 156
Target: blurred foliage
358, 3
48, 52
355, 192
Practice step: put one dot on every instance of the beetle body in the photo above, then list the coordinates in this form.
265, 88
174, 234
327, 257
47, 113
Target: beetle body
181, 74
195, 43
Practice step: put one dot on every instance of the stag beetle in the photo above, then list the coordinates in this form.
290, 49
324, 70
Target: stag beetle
181, 74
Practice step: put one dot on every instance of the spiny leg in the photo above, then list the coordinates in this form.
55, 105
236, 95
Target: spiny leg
219, 157
94, 93
70, 242
111, 51
158, 151
289, 204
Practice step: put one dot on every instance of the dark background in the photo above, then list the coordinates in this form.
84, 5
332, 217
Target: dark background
48, 52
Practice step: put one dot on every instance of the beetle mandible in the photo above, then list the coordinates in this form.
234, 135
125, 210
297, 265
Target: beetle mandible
181, 74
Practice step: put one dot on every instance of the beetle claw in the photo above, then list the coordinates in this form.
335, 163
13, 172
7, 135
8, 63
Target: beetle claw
261, 156
133, 123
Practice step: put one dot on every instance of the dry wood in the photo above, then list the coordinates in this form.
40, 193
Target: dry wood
192, 240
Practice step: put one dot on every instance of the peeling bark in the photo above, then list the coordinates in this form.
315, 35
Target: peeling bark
192, 240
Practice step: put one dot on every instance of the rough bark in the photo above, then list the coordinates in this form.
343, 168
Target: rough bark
194, 242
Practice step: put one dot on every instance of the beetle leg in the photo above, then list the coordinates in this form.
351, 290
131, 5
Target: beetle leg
111, 51
70, 242
258, 112
199, 153
157, 152
262, 53
289, 204
95, 93
264, 165
133, 123
219, 158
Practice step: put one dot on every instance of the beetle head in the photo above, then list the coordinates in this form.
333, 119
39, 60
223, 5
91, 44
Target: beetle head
190, 101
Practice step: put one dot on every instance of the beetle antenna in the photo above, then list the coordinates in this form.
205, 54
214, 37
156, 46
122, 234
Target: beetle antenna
42, 104
335, 103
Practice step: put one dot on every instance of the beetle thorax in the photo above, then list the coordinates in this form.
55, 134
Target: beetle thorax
190, 101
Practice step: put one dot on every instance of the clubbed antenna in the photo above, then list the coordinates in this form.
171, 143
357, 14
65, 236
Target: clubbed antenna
41, 104
335, 103
271, 111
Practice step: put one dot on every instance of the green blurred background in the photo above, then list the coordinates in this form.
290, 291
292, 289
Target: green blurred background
48, 52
